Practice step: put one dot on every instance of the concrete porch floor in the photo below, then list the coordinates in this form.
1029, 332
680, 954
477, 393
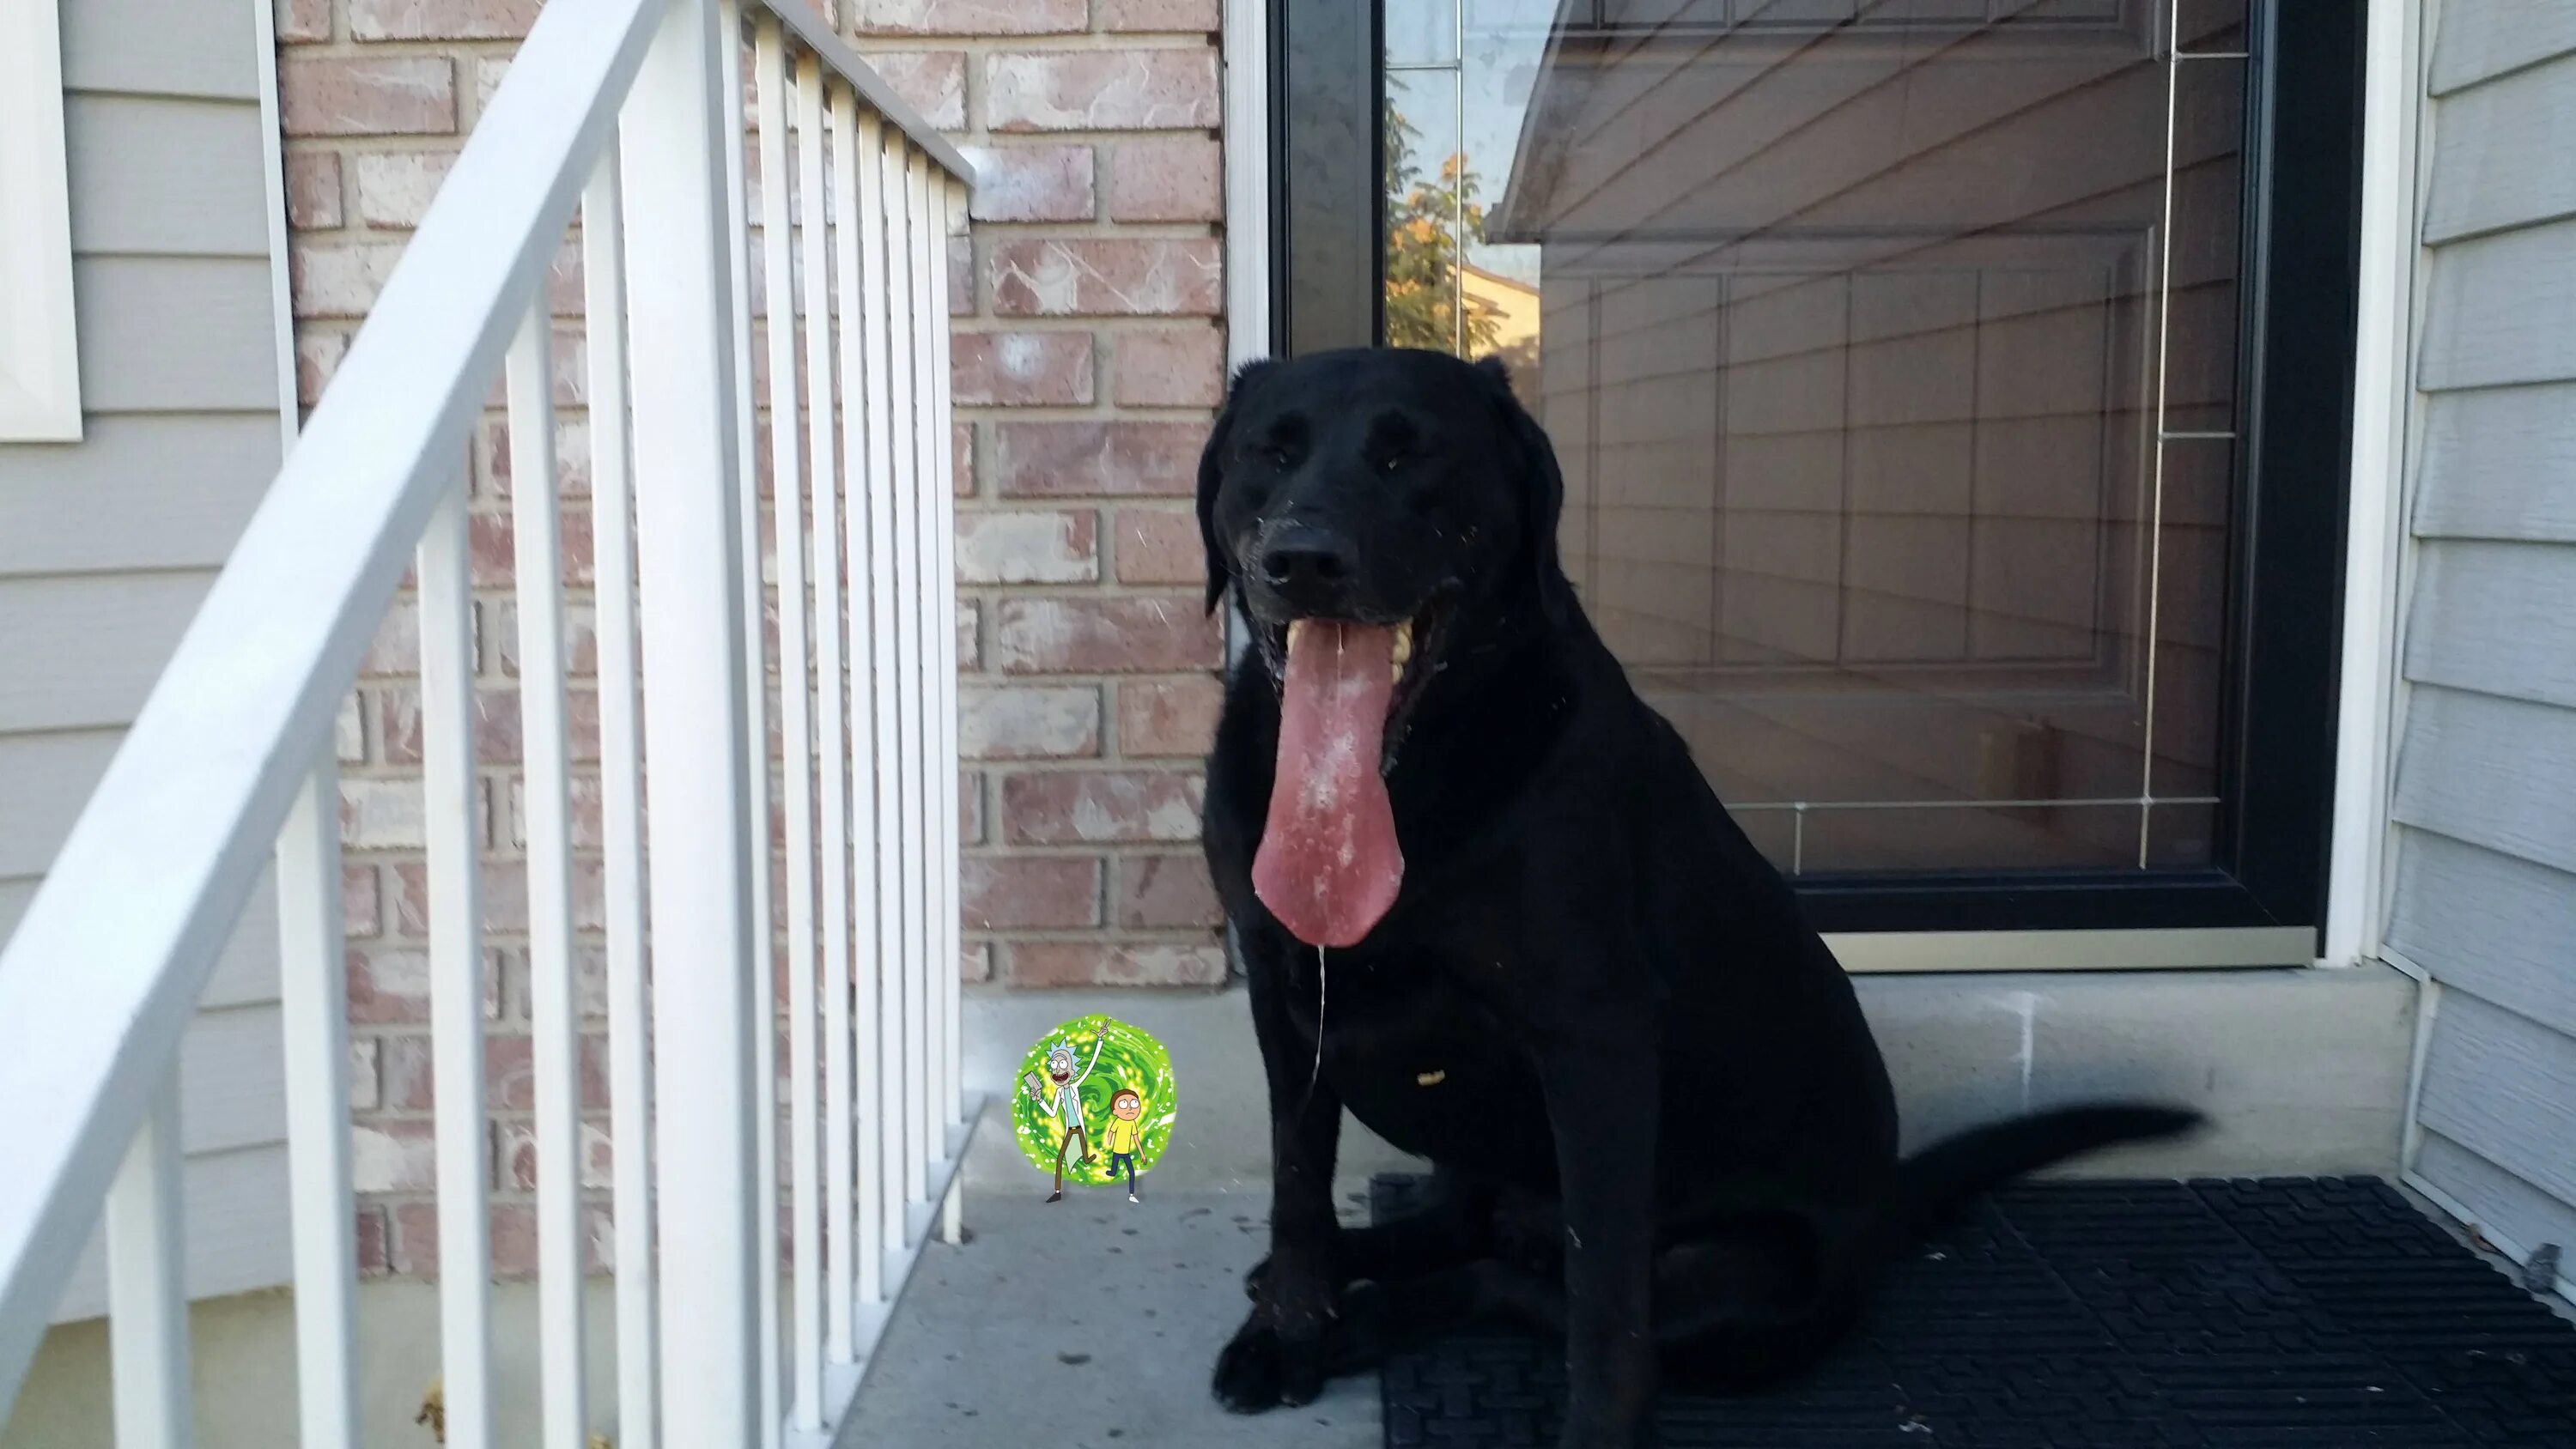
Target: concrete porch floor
1057, 1325
1088, 1324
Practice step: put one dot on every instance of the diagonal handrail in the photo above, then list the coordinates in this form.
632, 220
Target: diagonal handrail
98, 982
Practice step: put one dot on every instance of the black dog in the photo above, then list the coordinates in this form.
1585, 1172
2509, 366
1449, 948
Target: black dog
1489, 904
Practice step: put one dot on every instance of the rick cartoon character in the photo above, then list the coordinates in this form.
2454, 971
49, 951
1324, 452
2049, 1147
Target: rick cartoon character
1061, 1098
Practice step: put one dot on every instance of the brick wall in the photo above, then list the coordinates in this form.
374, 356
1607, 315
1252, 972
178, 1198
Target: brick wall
1089, 358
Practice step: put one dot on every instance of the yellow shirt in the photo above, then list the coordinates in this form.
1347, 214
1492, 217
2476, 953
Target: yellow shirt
1123, 1134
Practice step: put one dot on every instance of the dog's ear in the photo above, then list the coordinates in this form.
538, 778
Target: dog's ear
1212, 473
1541, 485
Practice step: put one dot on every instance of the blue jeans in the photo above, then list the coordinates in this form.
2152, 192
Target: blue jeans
1129, 1158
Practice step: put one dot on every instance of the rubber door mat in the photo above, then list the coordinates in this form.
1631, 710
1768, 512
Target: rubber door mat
2240, 1314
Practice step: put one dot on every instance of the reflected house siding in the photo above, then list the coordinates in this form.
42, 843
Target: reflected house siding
1851, 346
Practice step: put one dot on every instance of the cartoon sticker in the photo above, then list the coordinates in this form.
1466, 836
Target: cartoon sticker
1094, 1104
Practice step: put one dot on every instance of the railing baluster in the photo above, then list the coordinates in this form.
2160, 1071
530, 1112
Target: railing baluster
862, 205
725, 66
830, 696
929, 314
313, 1010
621, 805
795, 705
455, 974
895, 669
710, 993
147, 1293
553, 1012
951, 1087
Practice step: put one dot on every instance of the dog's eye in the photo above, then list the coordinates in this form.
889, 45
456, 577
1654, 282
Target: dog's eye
1390, 462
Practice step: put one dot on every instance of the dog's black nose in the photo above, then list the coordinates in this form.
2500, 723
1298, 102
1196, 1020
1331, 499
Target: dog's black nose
1306, 564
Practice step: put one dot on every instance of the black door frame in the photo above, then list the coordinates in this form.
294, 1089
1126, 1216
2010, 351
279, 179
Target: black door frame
2302, 244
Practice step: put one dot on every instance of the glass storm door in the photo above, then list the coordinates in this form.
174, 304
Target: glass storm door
1918, 372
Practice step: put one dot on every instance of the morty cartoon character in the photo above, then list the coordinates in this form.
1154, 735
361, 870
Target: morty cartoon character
1124, 1135
1064, 1103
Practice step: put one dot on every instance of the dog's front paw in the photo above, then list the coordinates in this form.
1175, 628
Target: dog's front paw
1268, 1364
1278, 1356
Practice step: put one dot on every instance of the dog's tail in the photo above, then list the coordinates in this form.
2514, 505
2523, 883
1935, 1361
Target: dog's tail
1936, 1181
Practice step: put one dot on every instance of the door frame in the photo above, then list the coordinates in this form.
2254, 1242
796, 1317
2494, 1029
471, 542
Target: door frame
2264, 903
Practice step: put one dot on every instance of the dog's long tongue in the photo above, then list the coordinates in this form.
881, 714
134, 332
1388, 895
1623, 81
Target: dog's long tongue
1329, 865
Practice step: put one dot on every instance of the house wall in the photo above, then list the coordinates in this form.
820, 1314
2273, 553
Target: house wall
2484, 889
108, 544
1089, 358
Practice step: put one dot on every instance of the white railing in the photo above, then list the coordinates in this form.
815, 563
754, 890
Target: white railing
631, 112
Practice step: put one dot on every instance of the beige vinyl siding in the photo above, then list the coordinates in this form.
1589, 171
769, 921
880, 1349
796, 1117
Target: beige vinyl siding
107, 545
2484, 891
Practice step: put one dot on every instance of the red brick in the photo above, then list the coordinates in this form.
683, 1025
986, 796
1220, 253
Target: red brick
1169, 367
362, 911
973, 17
1168, 716
580, 637
1089, 807
491, 542
1021, 368
975, 961
933, 82
1167, 178
503, 895
497, 740
970, 651
375, 1248
440, 19
1083, 963
380, 814
392, 1157
961, 449
303, 20
403, 1067
515, 1156
317, 356
313, 191
510, 1073
1102, 636
341, 279
1086, 459
366, 1084
1028, 722
1186, 17
1166, 891
1107, 277
330, 95
1032, 183
394, 187
961, 276
396, 647
1028, 547
1101, 90
584, 792
1030, 892
572, 457
970, 808
349, 732
1158, 546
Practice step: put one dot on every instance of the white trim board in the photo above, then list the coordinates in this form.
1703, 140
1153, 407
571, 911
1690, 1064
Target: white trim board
2385, 405
39, 343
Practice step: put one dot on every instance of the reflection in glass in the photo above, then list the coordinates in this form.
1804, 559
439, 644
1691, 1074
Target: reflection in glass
1889, 347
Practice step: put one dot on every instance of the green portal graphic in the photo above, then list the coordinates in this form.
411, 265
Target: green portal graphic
1094, 1104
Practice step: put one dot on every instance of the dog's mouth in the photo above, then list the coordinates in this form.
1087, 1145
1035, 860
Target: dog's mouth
1329, 865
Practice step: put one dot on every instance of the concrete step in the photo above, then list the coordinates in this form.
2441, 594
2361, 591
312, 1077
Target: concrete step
2301, 1071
